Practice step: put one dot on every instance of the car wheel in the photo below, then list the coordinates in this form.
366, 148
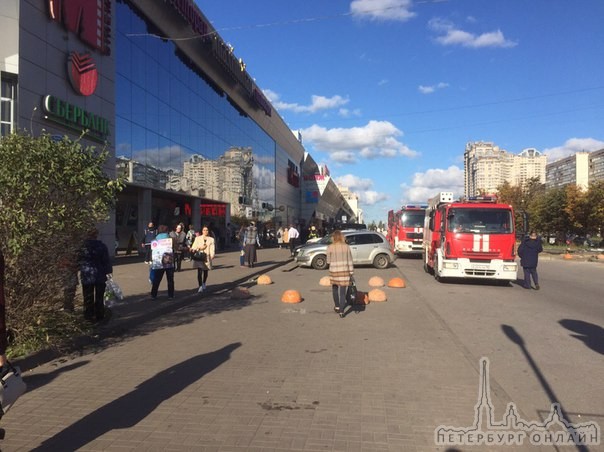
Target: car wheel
319, 262
381, 261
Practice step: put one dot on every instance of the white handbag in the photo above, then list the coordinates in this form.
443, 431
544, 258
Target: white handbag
12, 387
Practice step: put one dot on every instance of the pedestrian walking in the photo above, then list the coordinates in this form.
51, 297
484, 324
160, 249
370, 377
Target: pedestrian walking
285, 237
148, 236
180, 239
251, 241
190, 238
339, 258
207, 244
529, 251
163, 261
94, 264
294, 238
240, 236
280, 232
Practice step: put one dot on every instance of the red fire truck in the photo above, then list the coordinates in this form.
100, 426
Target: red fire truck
406, 229
472, 238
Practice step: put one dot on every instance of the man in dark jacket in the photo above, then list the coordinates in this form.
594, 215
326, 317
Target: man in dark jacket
148, 236
529, 251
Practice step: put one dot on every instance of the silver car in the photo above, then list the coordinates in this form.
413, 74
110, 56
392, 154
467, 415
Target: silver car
368, 247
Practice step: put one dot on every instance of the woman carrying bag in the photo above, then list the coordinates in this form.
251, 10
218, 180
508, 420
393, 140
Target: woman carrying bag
341, 268
203, 243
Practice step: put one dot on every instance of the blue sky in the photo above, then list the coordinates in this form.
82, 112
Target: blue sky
388, 92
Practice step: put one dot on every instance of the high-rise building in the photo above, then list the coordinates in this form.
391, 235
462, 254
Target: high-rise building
596, 165
580, 169
486, 167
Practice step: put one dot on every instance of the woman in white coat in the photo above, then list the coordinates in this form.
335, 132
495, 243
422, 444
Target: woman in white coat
205, 243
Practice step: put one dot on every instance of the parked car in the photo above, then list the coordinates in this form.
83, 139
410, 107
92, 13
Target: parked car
368, 248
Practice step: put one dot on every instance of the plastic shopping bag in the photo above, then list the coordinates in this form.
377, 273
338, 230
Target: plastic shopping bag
12, 387
113, 292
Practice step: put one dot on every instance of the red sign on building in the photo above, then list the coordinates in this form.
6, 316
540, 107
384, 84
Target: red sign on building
213, 210
89, 20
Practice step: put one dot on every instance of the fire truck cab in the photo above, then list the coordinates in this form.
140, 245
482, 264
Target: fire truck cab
406, 229
472, 238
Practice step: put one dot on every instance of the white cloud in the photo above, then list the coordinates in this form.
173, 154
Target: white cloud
376, 139
572, 146
426, 185
382, 10
370, 197
343, 157
383, 82
347, 113
353, 182
430, 89
318, 103
361, 187
451, 36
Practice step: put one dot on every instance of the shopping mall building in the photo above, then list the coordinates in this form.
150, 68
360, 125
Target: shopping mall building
185, 123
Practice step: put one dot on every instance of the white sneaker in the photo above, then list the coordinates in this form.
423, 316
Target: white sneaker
203, 286
200, 289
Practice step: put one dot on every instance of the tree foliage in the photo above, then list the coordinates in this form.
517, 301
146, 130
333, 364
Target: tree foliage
559, 211
524, 199
51, 193
594, 202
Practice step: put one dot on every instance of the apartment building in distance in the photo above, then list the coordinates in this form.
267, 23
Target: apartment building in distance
580, 169
486, 167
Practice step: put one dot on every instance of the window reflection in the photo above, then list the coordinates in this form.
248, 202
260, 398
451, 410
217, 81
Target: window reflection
174, 131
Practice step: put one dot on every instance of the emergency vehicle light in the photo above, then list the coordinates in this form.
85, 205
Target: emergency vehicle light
415, 206
483, 198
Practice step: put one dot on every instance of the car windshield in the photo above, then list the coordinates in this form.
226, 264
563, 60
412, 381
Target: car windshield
481, 221
413, 219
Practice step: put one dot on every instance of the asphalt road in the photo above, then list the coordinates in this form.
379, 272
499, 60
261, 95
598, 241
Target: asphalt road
544, 346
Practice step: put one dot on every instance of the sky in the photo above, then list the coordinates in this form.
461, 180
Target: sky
387, 93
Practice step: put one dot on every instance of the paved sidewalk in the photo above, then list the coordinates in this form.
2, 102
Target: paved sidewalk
217, 373
132, 275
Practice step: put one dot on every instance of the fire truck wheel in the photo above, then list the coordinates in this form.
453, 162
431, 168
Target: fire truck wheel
435, 270
381, 261
427, 268
319, 262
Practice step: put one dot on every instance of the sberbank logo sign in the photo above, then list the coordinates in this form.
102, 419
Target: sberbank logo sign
76, 118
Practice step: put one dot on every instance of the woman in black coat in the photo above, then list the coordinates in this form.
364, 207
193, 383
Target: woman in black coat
95, 265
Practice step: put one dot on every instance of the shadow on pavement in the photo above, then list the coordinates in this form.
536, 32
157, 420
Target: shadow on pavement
129, 409
588, 333
35, 381
517, 339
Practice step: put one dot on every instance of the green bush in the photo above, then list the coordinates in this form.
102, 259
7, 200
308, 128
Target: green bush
51, 193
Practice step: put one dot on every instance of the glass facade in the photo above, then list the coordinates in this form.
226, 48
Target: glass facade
176, 131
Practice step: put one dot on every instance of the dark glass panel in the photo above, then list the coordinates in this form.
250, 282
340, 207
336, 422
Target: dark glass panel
123, 97
151, 112
123, 133
138, 66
